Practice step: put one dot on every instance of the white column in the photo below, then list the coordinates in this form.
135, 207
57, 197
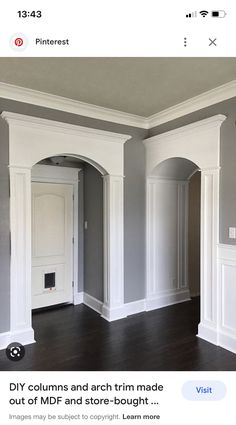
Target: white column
113, 307
20, 226
209, 241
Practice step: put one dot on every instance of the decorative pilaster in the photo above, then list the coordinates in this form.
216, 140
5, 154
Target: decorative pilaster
20, 226
209, 241
113, 248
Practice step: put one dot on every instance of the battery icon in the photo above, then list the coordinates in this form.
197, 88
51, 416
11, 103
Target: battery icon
218, 14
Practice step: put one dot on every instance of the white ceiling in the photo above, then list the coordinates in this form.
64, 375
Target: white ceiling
141, 86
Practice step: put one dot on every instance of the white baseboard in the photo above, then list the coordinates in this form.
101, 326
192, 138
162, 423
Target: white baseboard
222, 339
207, 333
135, 307
112, 314
168, 298
78, 298
24, 337
92, 302
227, 341
4, 340
116, 313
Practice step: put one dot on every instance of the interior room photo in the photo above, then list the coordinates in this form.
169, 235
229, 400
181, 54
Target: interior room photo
118, 213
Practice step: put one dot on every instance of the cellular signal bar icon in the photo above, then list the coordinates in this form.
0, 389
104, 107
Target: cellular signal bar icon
192, 15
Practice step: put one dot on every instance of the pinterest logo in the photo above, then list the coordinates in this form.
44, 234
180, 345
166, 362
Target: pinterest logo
19, 41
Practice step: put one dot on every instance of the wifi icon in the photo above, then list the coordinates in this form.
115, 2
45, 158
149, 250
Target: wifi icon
203, 13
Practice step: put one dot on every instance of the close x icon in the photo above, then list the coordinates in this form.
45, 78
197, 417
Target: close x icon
212, 41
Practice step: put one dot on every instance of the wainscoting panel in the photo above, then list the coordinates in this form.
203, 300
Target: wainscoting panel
227, 296
167, 225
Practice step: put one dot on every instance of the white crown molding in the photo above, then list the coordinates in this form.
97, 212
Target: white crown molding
56, 126
208, 98
46, 100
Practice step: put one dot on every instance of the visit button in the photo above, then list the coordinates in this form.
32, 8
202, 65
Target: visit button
204, 390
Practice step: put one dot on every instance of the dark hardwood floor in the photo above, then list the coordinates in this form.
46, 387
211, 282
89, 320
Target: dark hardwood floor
77, 338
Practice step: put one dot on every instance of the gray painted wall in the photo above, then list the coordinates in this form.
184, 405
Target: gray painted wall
134, 185
227, 159
93, 235
134, 220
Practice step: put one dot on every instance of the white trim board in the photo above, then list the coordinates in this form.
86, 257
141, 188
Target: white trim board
46, 100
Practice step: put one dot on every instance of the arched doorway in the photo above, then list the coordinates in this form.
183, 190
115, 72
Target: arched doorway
67, 234
198, 144
32, 139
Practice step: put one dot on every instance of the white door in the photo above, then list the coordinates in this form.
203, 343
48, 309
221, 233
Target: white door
52, 244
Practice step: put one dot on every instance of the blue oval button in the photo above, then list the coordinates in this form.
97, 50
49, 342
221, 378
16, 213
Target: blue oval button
204, 390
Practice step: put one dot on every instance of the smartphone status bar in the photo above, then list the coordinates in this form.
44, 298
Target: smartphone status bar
112, 28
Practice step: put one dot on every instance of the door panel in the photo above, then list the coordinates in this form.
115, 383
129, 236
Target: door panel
52, 249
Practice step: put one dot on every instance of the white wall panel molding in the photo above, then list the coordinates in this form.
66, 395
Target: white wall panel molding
199, 143
166, 266
227, 296
227, 252
31, 140
46, 100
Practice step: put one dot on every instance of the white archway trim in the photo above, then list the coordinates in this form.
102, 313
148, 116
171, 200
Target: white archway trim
30, 140
42, 138
199, 143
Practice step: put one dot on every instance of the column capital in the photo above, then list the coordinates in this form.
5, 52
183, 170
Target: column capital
209, 169
112, 176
